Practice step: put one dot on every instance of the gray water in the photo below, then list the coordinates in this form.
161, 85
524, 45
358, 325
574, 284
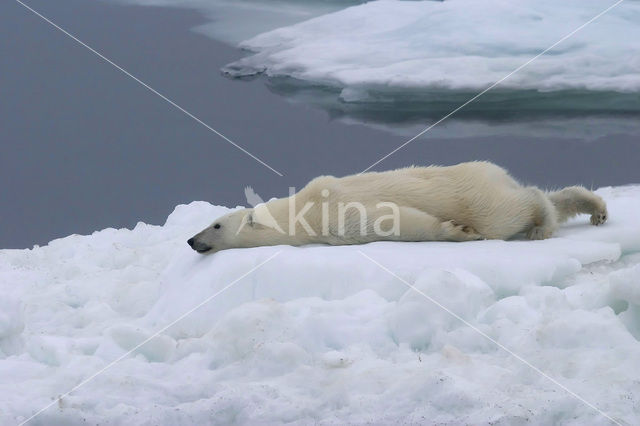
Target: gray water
84, 147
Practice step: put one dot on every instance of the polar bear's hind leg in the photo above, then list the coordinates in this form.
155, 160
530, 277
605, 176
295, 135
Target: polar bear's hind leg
545, 219
574, 200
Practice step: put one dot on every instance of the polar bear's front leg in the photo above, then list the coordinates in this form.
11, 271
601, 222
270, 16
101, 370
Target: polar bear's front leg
453, 231
416, 225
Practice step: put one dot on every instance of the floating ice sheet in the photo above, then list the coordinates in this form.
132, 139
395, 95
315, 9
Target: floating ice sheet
456, 44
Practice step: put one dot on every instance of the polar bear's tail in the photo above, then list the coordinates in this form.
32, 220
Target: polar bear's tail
573, 200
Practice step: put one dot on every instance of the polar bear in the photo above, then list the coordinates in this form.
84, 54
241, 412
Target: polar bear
464, 202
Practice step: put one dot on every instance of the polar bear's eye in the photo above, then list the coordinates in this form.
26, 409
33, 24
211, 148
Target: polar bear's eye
216, 226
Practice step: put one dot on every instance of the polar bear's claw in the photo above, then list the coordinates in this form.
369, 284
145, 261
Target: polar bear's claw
600, 217
539, 233
456, 232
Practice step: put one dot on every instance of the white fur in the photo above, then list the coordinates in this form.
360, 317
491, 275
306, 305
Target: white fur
468, 201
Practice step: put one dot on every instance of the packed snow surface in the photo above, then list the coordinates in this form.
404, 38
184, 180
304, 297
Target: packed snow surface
323, 334
391, 45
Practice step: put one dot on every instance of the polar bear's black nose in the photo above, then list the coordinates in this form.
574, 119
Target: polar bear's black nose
198, 246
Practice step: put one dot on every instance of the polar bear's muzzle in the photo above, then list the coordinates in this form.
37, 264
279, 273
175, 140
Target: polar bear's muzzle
198, 246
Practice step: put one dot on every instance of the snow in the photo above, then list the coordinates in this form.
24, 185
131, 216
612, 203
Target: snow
323, 334
395, 47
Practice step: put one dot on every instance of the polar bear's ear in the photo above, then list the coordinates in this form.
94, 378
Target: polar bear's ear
247, 220
253, 222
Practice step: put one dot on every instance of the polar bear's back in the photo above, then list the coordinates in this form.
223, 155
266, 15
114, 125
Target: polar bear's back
419, 186
480, 194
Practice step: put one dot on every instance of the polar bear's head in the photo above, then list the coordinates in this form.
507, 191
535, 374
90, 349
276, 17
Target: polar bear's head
239, 229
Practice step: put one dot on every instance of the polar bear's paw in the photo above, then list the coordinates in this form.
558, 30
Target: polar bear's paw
600, 216
456, 232
539, 233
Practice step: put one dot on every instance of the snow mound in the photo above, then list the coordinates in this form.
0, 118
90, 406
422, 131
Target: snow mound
395, 47
322, 334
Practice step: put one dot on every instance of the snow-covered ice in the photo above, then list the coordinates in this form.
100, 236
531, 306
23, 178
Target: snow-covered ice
398, 63
391, 45
401, 65
322, 334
